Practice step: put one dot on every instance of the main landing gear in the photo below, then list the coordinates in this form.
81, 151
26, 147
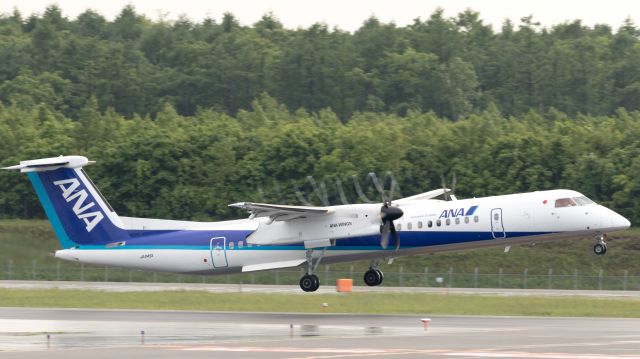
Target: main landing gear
600, 248
310, 282
373, 276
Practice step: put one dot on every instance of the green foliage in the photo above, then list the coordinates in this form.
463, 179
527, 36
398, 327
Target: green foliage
184, 118
453, 66
193, 166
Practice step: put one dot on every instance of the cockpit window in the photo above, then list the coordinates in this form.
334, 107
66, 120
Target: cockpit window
565, 202
582, 201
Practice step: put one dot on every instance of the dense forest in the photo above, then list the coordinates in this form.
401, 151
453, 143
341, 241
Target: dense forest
184, 118
451, 66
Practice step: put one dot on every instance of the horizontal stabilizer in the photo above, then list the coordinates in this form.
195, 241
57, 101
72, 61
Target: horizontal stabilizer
281, 212
273, 265
50, 164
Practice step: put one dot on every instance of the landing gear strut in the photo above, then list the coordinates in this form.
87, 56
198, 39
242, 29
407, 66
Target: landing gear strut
310, 282
600, 248
373, 276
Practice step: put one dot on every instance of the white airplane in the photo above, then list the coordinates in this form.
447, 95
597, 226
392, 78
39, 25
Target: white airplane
278, 236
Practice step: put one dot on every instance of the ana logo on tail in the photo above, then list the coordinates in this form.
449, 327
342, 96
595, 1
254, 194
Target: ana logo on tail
68, 187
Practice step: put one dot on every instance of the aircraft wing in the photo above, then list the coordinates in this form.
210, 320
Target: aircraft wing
423, 196
281, 212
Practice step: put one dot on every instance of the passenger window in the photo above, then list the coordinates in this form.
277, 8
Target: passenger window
457, 220
240, 244
448, 221
231, 245
438, 223
476, 219
419, 224
409, 225
430, 224
399, 226
466, 219
565, 202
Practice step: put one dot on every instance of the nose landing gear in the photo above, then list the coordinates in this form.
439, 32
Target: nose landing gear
373, 276
600, 248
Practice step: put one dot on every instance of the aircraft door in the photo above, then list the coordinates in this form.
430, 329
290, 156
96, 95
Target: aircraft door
497, 228
219, 252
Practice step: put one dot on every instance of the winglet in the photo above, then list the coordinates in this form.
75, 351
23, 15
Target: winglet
52, 163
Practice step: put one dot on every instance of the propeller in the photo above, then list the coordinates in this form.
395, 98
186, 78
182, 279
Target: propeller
388, 214
450, 195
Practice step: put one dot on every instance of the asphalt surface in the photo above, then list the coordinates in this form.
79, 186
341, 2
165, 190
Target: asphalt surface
295, 289
80, 333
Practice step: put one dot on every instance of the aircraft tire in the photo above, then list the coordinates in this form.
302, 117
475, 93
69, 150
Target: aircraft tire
316, 280
381, 276
373, 277
600, 249
309, 283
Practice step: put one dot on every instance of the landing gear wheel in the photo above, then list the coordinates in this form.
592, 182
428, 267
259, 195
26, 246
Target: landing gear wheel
381, 276
373, 277
309, 283
600, 249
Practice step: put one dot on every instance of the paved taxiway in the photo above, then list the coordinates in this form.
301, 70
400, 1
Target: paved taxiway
80, 333
294, 289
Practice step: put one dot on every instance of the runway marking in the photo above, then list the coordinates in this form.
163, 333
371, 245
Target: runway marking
298, 350
332, 353
488, 354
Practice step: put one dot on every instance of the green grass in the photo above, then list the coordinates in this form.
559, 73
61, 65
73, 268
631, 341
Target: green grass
370, 303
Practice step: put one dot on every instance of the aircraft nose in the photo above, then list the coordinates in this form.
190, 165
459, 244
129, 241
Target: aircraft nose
619, 222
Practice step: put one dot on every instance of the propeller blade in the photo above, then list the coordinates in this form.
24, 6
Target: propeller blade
392, 186
444, 187
384, 236
454, 180
378, 186
396, 236
388, 214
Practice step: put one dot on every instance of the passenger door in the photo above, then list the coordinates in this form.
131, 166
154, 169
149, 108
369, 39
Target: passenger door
497, 227
218, 246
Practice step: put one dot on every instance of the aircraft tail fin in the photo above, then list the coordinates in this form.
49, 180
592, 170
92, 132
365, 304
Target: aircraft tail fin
78, 212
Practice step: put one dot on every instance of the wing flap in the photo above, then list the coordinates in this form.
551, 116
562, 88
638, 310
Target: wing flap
273, 265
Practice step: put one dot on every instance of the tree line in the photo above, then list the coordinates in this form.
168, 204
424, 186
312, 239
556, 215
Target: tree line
192, 167
185, 118
453, 66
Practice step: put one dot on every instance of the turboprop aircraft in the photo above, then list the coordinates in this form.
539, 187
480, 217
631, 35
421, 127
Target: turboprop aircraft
280, 236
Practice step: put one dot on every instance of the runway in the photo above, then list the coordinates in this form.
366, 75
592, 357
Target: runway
80, 333
295, 289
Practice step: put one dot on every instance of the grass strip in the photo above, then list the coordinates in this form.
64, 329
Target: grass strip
363, 303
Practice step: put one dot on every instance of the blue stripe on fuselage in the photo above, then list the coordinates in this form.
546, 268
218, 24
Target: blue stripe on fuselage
200, 240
